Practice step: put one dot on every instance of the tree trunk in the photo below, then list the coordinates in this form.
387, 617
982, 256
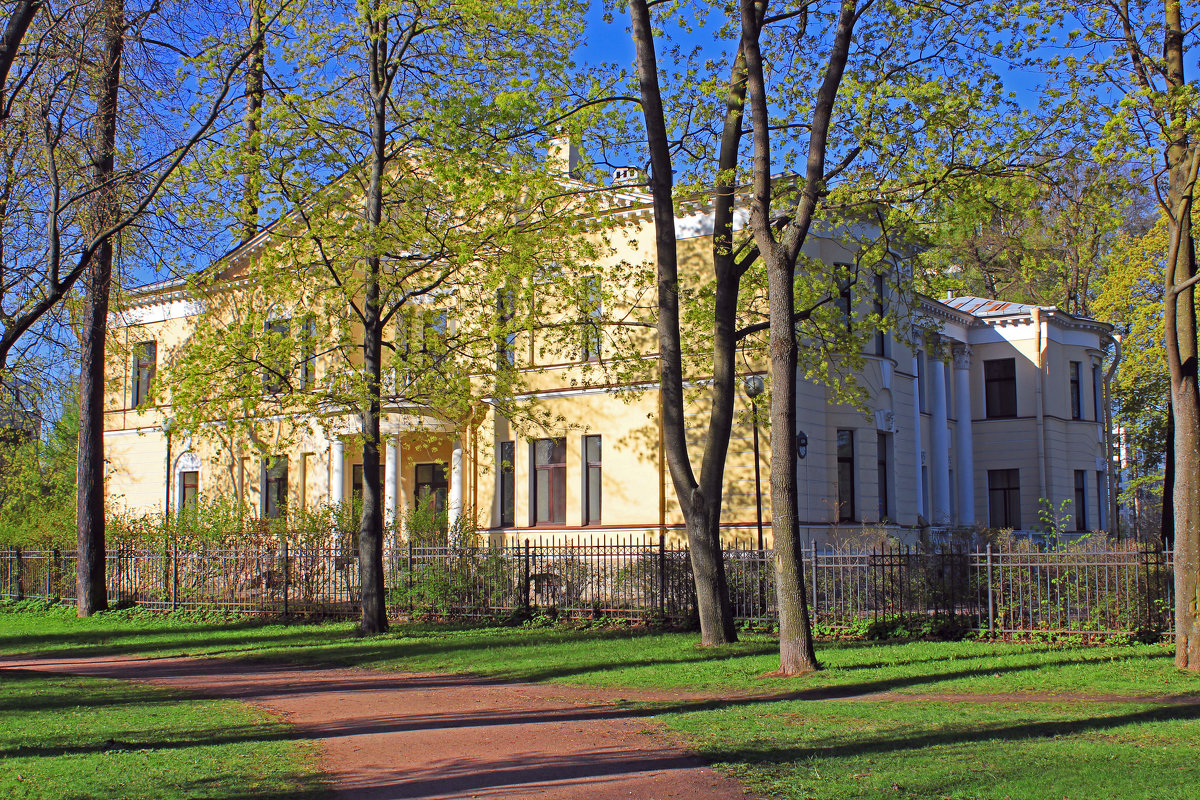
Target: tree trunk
91, 591
1167, 520
1179, 326
701, 509
252, 147
370, 542
796, 652
14, 31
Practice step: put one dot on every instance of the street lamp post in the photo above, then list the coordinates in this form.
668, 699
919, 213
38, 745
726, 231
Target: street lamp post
754, 386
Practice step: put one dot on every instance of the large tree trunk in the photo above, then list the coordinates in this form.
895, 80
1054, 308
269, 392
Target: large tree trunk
91, 592
1179, 325
701, 508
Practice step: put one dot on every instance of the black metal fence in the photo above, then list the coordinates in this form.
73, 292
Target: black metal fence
1018, 590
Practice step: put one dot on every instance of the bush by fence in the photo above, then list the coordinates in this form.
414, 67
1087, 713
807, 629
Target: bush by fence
1014, 587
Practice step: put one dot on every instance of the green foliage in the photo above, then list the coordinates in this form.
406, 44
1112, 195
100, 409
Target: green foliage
37, 485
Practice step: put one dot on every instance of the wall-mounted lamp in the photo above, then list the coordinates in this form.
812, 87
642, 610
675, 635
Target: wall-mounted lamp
801, 444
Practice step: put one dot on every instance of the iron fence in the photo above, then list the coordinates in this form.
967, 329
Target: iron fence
1020, 590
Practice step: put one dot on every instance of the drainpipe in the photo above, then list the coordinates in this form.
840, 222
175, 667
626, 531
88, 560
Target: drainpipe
1039, 390
1114, 526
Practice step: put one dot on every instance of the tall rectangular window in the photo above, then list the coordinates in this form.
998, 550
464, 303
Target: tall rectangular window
275, 366
1100, 499
591, 480
1004, 498
275, 486
189, 489
880, 310
508, 496
506, 337
308, 352
431, 487
1081, 500
845, 300
1097, 391
1000, 388
1076, 391
145, 360
356, 479
592, 315
883, 443
845, 475
550, 481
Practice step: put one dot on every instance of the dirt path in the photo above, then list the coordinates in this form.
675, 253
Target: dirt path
394, 735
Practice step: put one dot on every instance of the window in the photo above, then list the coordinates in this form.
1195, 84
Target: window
508, 496
275, 369
189, 489
883, 443
845, 301
433, 332
550, 481
1096, 391
506, 337
880, 310
592, 314
1081, 500
356, 480
145, 359
1004, 498
1100, 504
275, 486
432, 487
845, 475
308, 352
1076, 391
1000, 388
591, 480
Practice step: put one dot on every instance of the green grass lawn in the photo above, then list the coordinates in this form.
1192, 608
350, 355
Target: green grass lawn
941, 733
63, 736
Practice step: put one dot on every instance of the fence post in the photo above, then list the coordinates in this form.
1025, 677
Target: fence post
286, 577
57, 573
814, 579
525, 602
662, 573
411, 607
991, 600
174, 576
20, 576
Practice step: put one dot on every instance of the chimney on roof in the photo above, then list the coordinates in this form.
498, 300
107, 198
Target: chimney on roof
563, 157
949, 295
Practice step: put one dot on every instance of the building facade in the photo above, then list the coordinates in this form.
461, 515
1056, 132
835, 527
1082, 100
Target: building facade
993, 419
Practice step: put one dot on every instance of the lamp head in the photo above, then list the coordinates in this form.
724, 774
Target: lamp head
753, 386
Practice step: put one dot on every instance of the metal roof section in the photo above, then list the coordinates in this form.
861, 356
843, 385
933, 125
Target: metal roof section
983, 307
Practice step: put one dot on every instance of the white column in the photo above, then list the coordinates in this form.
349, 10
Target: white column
916, 389
454, 507
391, 482
939, 443
337, 465
964, 450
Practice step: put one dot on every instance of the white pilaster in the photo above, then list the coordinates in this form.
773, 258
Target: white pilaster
391, 479
916, 390
454, 507
939, 442
964, 450
337, 466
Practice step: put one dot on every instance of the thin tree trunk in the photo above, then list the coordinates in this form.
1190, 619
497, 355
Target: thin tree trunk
370, 545
14, 31
1167, 521
252, 147
701, 509
91, 592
